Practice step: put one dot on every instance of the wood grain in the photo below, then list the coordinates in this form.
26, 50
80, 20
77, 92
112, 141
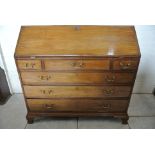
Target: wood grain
68, 41
72, 72
76, 91
84, 105
51, 78
85, 64
29, 64
127, 64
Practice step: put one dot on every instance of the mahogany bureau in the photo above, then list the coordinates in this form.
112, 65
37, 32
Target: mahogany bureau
77, 71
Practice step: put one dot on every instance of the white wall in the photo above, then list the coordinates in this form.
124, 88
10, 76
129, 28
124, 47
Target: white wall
145, 81
8, 39
1, 60
4, 67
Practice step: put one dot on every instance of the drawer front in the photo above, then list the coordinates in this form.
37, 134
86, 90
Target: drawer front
29, 64
77, 78
76, 64
84, 105
76, 91
125, 64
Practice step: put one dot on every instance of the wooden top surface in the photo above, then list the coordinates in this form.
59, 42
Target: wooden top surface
77, 41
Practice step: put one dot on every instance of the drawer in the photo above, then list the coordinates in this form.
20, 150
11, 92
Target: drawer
125, 64
76, 64
84, 105
29, 64
76, 78
76, 91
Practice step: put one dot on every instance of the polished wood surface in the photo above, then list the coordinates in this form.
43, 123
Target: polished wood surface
84, 105
77, 71
85, 41
85, 64
121, 64
51, 78
76, 91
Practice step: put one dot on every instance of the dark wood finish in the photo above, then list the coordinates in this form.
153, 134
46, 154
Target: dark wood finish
29, 119
125, 64
78, 105
85, 72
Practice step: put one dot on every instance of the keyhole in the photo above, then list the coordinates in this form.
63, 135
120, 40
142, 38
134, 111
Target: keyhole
77, 27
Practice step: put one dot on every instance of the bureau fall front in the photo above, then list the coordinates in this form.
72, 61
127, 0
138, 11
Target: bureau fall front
70, 72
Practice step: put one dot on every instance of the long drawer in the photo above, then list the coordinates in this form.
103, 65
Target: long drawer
77, 78
84, 105
76, 91
83, 64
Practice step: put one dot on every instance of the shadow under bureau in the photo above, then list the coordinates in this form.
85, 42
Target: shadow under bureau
70, 72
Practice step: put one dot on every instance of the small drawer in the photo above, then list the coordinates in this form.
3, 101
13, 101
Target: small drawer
76, 64
76, 91
119, 78
125, 64
29, 64
78, 105
37, 78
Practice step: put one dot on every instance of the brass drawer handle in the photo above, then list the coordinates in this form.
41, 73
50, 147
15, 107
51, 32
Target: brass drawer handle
125, 66
46, 92
30, 65
111, 79
78, 64
49, 106
45, 77
105, 106
108, 91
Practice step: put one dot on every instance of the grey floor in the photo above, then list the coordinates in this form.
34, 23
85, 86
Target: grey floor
141, 112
